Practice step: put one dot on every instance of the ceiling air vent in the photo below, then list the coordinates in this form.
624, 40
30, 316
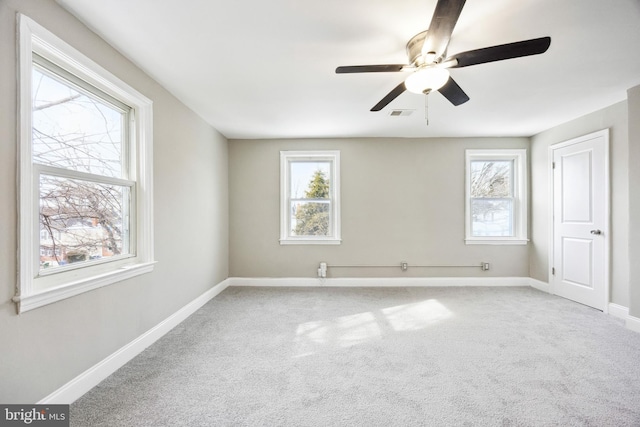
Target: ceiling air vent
400, 113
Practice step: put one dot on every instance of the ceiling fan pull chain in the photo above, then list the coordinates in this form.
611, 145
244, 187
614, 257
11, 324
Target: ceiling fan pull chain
426, 108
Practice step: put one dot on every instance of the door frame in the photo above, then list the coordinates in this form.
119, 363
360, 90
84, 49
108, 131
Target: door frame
607, 212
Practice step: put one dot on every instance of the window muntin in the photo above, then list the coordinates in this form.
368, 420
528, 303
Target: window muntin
496, 207
85, 173
309, 192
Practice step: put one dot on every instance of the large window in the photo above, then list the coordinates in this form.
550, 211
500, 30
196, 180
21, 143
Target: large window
496, 206
310, 190
85, 173
79, 150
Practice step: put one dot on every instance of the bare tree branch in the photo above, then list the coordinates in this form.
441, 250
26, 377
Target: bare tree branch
54, 103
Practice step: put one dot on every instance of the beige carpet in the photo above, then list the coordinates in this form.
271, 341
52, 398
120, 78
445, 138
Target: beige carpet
379, 357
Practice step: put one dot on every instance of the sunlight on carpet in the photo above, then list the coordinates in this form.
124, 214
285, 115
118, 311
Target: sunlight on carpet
441, 357
354, 329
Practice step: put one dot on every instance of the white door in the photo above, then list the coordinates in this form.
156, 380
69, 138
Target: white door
579, 258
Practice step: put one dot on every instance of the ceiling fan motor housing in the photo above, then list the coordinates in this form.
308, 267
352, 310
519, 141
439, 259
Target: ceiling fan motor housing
414, 50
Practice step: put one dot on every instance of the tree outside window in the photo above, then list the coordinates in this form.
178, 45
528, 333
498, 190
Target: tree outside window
77, 142
312, 218
496, 193
310, 197
492, 198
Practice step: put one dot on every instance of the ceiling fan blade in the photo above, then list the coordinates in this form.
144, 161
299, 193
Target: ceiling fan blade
444, 20
389, 97
500, 52
453, 92
388, 68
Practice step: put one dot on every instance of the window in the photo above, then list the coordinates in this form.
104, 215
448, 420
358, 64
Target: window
85, 173
310, 197
496, 197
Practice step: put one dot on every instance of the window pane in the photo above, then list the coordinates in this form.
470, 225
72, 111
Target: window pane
81, 221
491, 217
491, 178
73, 130
310, 180
310, 218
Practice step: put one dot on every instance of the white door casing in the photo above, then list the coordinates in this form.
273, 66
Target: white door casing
579, 256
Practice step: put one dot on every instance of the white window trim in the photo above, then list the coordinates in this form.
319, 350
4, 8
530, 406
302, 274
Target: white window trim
285, 158
35, 38
519, 157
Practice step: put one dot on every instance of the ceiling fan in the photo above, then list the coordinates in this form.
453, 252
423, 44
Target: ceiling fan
428, 61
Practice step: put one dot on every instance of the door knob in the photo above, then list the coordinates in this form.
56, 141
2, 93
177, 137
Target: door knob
596, 232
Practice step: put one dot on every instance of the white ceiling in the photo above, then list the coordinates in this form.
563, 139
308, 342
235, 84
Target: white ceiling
265, 69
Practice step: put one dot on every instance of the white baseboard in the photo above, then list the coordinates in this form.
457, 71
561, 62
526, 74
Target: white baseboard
539, 285
378, 282
633, 323
84, 382
93, 376
616, 310
619, 311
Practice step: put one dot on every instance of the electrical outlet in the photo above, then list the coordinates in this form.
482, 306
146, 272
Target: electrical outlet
485, 266
404, 266
322, 271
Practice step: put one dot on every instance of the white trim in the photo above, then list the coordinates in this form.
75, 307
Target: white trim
35, 38
84, 382
619, 311
376, 282
68, 290
615, 310
494, 241
82, 176
539, 285
303, 241
633, 323
520, 195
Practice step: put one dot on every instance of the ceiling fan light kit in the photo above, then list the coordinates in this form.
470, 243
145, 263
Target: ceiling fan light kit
426, 79
429, 63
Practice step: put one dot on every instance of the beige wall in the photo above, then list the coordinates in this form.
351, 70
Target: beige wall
45, 348
634, 201
615, 119
402, 200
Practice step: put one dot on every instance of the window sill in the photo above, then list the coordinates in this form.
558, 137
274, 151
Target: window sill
496, 241
310, 241
48, 296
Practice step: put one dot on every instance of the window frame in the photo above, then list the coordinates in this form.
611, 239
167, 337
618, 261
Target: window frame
34, 288
520, 195
286, 159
